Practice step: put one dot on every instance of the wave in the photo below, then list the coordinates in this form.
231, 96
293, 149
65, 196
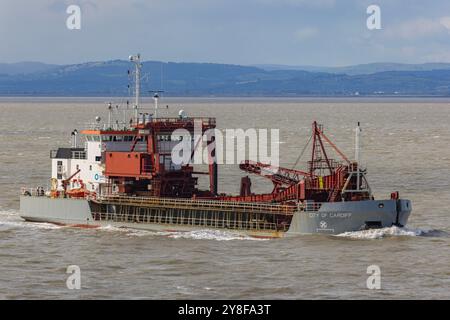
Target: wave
127, 231
11, 218
393, 232
204, 234
207, 234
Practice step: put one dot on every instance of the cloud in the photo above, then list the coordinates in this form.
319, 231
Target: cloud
445, 21
230, 31
299, 3
420, 27
305, 33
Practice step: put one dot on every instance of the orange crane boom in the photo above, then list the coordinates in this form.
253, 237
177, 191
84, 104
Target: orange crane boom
278, 175
66, 181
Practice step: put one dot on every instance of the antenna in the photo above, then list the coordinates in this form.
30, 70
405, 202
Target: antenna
110, 115
156, 98
74, 138
357, 142
137, 86
162, 75
125, 115
357, 155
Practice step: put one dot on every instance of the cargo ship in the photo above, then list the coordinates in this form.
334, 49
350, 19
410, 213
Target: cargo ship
124, 175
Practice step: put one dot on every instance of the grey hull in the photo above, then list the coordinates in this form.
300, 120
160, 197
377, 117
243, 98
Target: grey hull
331, 218
340, 217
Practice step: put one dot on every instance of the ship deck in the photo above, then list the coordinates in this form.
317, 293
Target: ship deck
193, 212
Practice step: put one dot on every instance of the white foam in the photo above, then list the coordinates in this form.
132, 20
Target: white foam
8, 213
207, 234
110, 228
11, 218
383, 232
204, 234
127, 231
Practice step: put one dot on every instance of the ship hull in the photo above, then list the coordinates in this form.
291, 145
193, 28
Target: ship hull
331, 218
340, 217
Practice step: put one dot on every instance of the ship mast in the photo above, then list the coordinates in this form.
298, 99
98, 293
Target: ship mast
137, 83
357, 155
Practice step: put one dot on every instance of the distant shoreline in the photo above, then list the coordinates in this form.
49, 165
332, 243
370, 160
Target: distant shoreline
121, 100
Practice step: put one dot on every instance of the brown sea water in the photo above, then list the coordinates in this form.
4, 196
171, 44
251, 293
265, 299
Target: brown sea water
405, 147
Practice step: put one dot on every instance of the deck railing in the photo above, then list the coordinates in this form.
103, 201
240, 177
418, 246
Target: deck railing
311, 206
186, 221
200, 204
35, 192
255, 207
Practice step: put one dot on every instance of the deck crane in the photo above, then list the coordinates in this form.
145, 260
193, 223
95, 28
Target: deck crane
323, 174
280, 177
66, 182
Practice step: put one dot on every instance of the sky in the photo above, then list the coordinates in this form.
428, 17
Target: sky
248, 32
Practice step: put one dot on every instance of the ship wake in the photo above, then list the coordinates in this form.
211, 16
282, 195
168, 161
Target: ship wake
393, 232
204, 234
10, 219
211, 235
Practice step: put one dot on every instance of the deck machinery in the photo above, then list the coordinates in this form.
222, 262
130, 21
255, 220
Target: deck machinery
326, 180
146, 168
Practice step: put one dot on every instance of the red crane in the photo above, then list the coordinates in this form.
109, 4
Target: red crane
325, 175
278, 175
66, 182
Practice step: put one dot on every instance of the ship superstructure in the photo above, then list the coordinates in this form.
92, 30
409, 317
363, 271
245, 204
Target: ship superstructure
125, 175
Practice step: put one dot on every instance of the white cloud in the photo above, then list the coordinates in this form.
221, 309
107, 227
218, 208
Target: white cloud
420, 27
445, 21
299, 3
305, 33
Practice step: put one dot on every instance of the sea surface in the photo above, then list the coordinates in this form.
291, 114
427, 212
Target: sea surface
406, 147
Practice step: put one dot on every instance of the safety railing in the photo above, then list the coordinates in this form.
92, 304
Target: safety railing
35, 192
203, 120
200, 204
311, 206
234, 224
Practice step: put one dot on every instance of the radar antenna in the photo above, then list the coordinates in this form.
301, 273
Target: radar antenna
156, 96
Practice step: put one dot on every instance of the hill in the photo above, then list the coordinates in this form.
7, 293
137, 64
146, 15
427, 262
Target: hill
110, 78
